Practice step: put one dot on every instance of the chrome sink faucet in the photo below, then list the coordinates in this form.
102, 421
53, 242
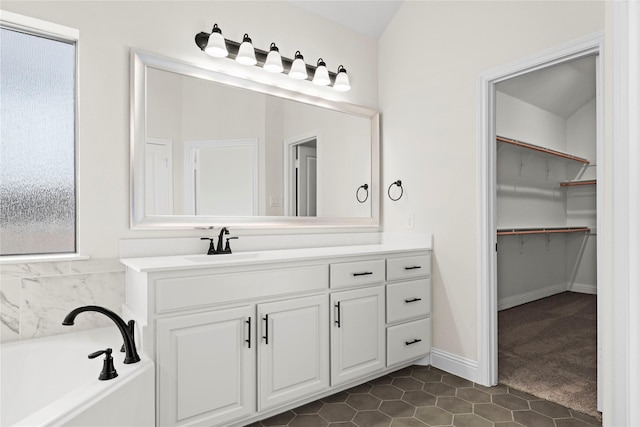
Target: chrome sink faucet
126, 330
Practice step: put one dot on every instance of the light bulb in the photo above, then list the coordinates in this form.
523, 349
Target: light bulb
216, 46
298, 68
342, 80
246, 52
273, 63
321, 76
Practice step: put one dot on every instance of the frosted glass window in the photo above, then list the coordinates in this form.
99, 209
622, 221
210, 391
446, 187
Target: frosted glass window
37, 156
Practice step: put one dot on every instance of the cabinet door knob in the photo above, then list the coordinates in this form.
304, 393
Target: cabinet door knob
407, 301
413, 267
417, 340
337, 321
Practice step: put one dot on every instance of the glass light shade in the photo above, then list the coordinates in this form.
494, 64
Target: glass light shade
342, 80
216, 46
246, 52
298, 68
273, 63
321, 76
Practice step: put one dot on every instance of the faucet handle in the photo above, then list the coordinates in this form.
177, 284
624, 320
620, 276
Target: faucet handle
108, 370
227, 248
212, 248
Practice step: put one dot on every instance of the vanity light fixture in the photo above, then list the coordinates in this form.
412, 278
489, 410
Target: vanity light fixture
298, 68
321, 76
273, 63
246, 52
342, 80
214, 44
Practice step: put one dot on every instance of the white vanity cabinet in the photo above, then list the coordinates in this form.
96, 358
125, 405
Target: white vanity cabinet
238, 338
205, 367
408, 308
292, 344
357, 333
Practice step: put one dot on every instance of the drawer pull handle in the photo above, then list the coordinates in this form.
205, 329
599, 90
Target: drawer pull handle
337, 321
248, 340
266, 329
412, 300
414, 267
364, 273
417, 340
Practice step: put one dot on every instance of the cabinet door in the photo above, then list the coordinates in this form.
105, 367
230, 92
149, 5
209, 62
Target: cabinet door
206, 368
357, 333
294, 349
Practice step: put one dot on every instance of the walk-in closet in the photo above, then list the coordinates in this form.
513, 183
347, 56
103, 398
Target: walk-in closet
547, 145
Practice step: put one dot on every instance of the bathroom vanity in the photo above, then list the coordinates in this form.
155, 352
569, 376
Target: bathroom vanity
240, 337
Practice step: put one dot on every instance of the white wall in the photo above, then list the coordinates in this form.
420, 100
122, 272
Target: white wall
107, 32
429, 57
581, 201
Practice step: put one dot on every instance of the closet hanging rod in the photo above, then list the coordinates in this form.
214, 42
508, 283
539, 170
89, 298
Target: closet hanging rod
541, 149
522, 231
577, 183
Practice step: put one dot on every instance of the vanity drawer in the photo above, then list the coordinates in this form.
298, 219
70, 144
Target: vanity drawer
356, 273
408, 267
408, 341
177, 293
408, 300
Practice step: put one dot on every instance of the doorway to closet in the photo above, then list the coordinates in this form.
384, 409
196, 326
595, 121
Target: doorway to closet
489, 241
546, 215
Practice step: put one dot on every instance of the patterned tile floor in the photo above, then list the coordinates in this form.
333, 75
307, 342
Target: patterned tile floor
420, 396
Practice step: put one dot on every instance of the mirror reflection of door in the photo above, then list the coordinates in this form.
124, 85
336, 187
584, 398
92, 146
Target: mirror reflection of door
158, 176
306, 179
221, 177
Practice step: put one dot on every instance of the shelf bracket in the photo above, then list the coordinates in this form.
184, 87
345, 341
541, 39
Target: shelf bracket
548, 172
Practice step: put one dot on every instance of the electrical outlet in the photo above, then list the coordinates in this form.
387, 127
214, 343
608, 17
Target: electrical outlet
275, 201
410, 220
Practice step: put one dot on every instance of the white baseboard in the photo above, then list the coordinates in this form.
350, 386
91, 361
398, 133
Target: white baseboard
515, 300
583, 288
425, 361
454, 364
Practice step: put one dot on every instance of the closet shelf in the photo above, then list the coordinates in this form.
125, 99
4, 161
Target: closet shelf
542, 149
548, 230
577, 183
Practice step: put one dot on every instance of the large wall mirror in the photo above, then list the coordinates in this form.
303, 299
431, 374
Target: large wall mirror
212, 149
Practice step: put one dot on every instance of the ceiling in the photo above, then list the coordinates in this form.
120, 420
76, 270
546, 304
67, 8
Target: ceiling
369, 17
560, 89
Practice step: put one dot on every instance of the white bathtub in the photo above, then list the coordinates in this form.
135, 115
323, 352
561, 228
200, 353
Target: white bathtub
51, 382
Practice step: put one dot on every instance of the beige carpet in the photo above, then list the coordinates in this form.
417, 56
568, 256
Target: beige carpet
548, 348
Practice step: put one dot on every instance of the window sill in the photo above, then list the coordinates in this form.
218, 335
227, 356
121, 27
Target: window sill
26, 259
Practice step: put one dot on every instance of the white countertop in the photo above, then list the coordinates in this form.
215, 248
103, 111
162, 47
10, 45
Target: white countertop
184, 262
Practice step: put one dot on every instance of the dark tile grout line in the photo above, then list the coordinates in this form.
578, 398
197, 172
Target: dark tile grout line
441, 405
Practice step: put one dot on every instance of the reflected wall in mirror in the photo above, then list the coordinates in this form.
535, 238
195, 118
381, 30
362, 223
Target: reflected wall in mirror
210, 148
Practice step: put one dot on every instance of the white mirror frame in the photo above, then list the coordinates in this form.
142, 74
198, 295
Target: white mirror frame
139, 221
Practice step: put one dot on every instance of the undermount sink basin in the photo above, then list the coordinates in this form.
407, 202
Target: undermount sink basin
223, 257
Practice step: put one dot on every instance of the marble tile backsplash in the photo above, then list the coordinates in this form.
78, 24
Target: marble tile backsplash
35, 297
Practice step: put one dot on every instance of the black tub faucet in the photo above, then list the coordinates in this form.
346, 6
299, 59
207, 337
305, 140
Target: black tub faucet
126, 330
